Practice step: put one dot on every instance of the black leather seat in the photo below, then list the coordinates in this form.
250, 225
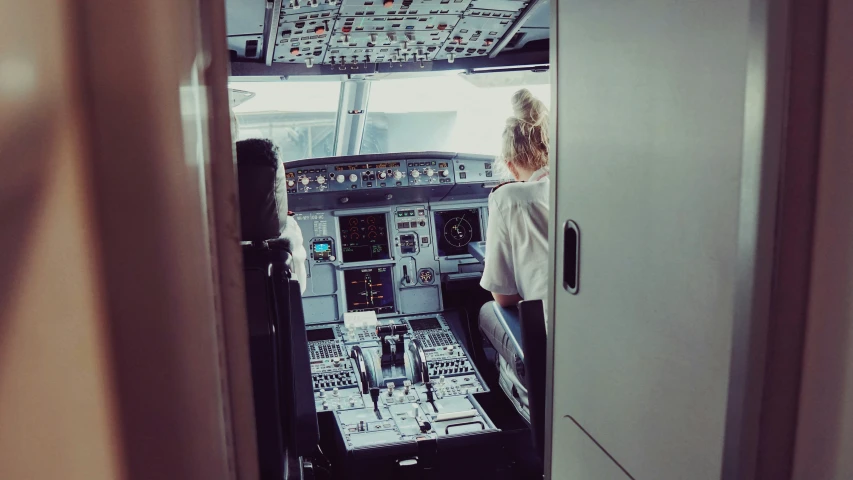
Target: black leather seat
518, 336
285, 414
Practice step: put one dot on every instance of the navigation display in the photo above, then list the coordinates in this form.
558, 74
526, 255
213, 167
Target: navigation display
370, 289
364, 238
456, 229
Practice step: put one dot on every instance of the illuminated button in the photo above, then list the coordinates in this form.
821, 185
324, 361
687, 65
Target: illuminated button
340, 178
353, 177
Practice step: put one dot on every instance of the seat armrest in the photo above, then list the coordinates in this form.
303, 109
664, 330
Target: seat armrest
510, 320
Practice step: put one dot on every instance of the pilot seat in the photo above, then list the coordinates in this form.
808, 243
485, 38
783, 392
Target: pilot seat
286, 418
521, 376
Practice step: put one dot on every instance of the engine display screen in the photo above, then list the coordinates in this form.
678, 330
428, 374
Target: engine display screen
370, 289
364, 238
456, 229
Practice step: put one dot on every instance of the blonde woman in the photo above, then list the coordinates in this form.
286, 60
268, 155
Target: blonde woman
517, 236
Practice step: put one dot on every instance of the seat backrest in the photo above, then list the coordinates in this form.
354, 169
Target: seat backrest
533, 337
262, 190
285, 414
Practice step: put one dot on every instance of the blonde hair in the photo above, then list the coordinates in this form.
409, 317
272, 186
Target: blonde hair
525, 138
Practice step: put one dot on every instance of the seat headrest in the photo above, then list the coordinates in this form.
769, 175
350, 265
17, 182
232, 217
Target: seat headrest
263, 193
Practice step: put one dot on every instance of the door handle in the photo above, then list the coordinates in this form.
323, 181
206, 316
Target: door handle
571, 256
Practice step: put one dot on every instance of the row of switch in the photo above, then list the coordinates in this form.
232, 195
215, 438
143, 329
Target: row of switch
366, 176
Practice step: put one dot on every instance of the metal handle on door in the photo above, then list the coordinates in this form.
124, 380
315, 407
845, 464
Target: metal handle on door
571, 256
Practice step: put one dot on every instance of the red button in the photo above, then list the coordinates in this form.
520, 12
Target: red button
294, 51
346, 29
389, 3
319, 30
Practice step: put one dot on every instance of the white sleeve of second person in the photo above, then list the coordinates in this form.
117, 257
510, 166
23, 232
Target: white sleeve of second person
293, 233
498, 274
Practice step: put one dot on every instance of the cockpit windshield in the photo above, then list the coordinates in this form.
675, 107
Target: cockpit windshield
457, 112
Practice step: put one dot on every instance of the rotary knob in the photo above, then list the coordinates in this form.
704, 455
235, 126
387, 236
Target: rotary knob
291, 183
416, 173
445, 173
305, 180
353, 177
430, 172
398, 175
340, 178
383, 175
321, 179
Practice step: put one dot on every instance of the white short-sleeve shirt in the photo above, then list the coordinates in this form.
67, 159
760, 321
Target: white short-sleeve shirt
517, 239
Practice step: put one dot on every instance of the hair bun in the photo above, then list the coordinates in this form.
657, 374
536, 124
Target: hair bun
528, 108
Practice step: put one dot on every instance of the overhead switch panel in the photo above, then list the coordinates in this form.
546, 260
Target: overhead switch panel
354, 32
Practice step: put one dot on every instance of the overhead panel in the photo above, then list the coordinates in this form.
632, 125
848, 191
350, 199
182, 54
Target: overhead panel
302, 37
413, 7
477, 34
354, 32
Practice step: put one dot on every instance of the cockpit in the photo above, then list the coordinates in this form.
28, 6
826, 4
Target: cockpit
386, 118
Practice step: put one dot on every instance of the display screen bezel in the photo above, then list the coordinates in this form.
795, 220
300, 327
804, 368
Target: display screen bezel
387, 309
387, 245
439, 235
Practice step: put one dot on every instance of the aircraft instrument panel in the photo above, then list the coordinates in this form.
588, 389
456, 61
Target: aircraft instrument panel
389, 234
392, 233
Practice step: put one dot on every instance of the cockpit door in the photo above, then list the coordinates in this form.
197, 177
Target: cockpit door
667, 165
